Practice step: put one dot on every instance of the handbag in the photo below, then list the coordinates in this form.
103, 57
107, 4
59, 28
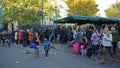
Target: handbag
33, 45
82, 46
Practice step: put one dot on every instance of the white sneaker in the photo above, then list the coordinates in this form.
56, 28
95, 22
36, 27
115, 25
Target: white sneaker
46, 58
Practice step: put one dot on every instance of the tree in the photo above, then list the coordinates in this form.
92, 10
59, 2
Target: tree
82, 7
25, 10
20, 10
50, 10
113, 11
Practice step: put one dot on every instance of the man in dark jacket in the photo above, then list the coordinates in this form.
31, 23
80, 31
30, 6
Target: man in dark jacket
24, 38
58, 33
9, 38
0, 37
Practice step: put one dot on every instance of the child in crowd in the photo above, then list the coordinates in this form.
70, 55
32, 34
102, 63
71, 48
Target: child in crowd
83, 45
46, 45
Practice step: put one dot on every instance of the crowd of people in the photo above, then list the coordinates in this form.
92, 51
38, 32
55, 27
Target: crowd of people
105, 37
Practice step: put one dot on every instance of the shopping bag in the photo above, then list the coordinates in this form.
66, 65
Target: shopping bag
82, 46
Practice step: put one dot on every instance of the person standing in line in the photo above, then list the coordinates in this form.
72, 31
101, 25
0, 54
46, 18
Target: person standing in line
16, 37
24, 38
9, 38
115, 39
42, 33
63, 35
50, 33
107, 44
3, 37
95, 38
83, 46
88, 34
58, 34
30, 36
74, 33
46, 45
69, 34
0, 37
20, 36
119, 29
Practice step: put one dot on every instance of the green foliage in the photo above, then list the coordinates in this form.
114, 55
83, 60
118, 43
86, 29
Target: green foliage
113, 11
20, 10
28, 24
82, 7
25, 10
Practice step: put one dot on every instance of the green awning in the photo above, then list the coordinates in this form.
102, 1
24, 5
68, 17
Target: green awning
79, 19
74, 19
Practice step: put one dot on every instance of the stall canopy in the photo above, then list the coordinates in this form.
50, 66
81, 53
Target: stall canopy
79, 19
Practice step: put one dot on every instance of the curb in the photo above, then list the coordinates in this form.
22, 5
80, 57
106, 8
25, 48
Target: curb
30, 52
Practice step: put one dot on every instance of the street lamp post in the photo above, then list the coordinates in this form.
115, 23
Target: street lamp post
1, 22
42, 11
0, 10
56, 11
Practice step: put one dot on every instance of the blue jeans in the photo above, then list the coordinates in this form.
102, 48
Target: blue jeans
0, 40
46, 53
8, 41
58, 37
36, 49
24, 42
95, 48
83, 52
50, 38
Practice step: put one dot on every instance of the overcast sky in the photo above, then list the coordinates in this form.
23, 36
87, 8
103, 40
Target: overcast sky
102, 5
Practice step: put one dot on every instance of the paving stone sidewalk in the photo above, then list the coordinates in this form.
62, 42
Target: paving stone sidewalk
54, 46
